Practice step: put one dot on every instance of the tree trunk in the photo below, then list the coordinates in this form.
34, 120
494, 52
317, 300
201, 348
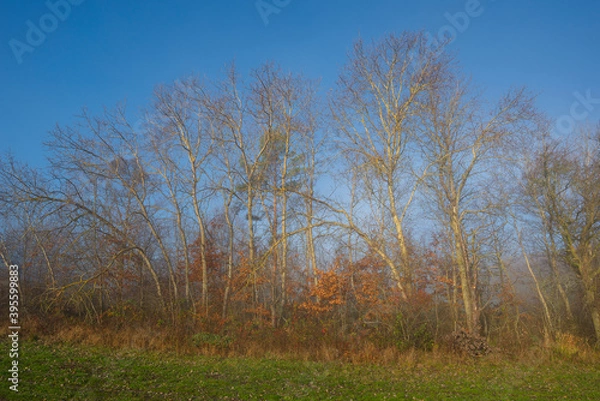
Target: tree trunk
468, 285
251, 256
590, 302
230, 251
204, 267
407, 276
596, 321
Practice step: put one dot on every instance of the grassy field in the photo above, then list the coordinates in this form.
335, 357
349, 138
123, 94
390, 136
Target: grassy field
63, 372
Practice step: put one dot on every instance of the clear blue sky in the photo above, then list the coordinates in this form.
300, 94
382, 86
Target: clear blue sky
107, 51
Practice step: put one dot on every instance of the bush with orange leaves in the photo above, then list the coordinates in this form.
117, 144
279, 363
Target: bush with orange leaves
326, 294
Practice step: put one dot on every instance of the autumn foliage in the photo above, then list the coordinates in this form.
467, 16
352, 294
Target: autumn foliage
247, 214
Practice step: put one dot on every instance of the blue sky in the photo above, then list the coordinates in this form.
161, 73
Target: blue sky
109, 51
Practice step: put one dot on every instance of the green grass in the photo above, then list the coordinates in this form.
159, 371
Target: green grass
63, 372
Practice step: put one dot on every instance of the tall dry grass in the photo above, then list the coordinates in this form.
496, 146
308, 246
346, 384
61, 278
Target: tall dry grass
282, 344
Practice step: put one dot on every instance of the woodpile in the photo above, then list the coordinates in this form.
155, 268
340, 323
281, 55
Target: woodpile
463, 342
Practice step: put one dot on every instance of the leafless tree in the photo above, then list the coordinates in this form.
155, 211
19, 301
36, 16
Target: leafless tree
376, 112
563, 187
464, 142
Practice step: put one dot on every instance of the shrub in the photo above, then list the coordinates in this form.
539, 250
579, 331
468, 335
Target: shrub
202, 340
464, 342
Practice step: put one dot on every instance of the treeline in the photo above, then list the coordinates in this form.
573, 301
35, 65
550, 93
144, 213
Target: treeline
403, 205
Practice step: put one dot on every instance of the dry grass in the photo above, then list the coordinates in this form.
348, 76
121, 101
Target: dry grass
153, 337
